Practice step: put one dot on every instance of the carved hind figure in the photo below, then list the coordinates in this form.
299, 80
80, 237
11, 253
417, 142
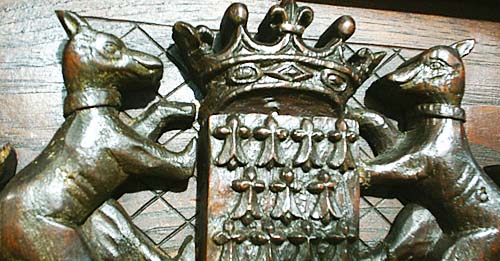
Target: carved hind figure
431, 161
58, 207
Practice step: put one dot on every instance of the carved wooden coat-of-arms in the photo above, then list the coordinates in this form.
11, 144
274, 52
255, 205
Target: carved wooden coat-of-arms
279, 175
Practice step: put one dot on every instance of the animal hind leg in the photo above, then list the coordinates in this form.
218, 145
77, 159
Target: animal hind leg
40, 238
414, 235
483, 244
110, 234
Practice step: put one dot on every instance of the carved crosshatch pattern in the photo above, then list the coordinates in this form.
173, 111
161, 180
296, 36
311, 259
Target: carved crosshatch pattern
167, 218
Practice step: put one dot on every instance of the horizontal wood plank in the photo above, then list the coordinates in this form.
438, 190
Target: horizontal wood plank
375, 27
471, 9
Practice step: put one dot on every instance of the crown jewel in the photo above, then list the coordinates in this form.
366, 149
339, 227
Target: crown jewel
235, 63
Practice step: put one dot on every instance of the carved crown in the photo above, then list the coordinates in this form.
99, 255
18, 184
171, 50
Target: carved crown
235, 64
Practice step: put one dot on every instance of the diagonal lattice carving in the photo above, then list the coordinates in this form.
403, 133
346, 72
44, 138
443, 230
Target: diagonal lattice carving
167, 218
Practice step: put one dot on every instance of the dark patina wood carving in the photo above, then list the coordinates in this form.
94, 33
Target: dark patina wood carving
430, 162
59, 207
279, 175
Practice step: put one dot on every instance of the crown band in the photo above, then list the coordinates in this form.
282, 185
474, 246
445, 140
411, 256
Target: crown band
236, 63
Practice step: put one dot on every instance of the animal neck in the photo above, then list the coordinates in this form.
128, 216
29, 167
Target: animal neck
443, 119
437, 110
90, 97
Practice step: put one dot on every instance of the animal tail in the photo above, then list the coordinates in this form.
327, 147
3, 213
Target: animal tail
8, 164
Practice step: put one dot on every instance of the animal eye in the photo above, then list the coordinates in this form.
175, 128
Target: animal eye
110, 47
436, 65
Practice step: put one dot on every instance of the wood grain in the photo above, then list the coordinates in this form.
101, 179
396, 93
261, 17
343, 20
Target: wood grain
31, 40
478, 9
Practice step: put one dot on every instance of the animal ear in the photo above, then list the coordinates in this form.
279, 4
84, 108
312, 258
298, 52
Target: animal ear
71, 22
378, 57
464, 47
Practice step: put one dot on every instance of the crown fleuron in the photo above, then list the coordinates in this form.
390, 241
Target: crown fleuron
273, 69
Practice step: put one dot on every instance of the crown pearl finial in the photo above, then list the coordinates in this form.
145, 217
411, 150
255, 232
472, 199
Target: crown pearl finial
277, 58
343, 28
236, 15
346, 27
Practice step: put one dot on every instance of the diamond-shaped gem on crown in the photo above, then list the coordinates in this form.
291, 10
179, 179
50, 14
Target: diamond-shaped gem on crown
235, 65
291, 72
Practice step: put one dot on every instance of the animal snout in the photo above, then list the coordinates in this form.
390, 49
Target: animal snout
147, 66
148, 61
404, 74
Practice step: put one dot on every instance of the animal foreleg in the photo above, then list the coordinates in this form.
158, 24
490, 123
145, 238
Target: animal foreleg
376, 129
384, 170
163, 116
110, 235
145, 157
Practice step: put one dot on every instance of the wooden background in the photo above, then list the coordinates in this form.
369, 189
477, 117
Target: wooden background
32, 90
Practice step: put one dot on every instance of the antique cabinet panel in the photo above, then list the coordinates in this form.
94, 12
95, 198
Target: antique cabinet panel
32, 91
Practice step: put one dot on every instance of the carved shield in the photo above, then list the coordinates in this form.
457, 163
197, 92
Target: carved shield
279, 187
